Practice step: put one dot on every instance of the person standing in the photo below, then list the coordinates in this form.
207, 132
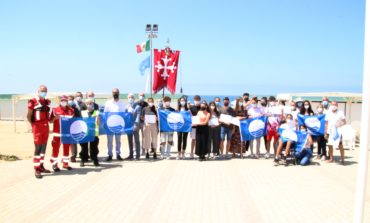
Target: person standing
214, 130
135, 109
94, 150
182, 137
236, 141
254, 112
63, 110
194, 112
114, 105
274, 114
38, 117
77, 114
79, 101
336, 119
143, 104
202, 132
321, 140
166, 137
149, 116
226, 128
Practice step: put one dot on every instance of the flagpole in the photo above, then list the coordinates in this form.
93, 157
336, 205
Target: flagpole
360, 194
151, 66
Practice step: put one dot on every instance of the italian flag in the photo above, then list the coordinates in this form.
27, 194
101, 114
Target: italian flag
145, 46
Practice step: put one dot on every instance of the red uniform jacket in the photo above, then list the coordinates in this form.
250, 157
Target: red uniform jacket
63, 112
41, 109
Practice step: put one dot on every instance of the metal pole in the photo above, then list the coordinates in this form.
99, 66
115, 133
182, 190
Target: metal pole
151, 64
360, 195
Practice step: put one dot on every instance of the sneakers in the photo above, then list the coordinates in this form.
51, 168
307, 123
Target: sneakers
119, 158
56, 168
38, 174
82, 164
267, 155
276, 161
109, 158
155, 156
73, 159
147, 156
96, 163
323, 158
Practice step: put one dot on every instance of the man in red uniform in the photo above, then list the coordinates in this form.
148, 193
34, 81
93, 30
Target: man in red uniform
63, 110
38, 116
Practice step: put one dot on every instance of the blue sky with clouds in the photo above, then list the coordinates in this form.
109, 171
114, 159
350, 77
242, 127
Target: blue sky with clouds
227, 47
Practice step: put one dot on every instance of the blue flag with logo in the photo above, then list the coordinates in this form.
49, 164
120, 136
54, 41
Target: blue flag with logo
301, 141
253, 128
173, 121
112, 123
77, 130
145, 64
288, 135
315, 124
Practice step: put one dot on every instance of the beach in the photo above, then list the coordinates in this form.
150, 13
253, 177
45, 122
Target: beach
234, 190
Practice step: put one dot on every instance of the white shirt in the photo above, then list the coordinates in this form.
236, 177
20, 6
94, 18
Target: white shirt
333, 117
255, 112
114, 106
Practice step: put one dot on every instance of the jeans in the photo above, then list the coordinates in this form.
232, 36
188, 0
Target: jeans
110, 144
131, 138
304, 156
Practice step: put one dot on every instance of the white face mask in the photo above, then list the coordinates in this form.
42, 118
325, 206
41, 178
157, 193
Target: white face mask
63, 103
319, 110
293, 108
212, 107
334, 108
78, 98
306, 106
196, 103
150, 104
272, 103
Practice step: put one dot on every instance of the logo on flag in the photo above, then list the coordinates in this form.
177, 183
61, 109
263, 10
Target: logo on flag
77, 130
116, 123
253, 128
171, 121
315, 124
288, 135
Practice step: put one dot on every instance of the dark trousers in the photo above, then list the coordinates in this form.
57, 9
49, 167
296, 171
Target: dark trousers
131, 138
94, 150
182, 138
321, 145
214, 140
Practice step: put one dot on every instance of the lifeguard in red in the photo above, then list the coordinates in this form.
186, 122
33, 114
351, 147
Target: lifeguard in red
63, 110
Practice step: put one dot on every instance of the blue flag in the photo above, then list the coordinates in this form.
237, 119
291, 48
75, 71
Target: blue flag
253, 128
301, 141
77, 130
171, 121
116, 123
315, 124
288, 135
145, 64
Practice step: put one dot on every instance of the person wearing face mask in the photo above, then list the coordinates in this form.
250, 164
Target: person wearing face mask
93, 146
325, 102
286, 124
143, 104
182, 137
293, 110
114, 105
202, 133
160, 103
91, 95
218, 103
135, 109
214, 130
303, 155
336, 119
77, 113
38, 117
255, 111
166, 137
63, 110
274, 114
226, 129
79, 101
306, 109
194, 109
245, 101
321, 140
235, 141
150, 129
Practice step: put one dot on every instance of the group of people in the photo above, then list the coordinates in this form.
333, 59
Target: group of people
210, 137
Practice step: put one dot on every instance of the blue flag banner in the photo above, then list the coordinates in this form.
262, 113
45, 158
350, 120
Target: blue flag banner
253, 128
315, 124
112, 123
173, 121
77, 130
301, 141
145, 64
288, 135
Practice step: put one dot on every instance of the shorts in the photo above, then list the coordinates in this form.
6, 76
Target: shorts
272, 133
225, 132
193, 133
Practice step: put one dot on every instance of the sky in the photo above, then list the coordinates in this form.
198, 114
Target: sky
227, 47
